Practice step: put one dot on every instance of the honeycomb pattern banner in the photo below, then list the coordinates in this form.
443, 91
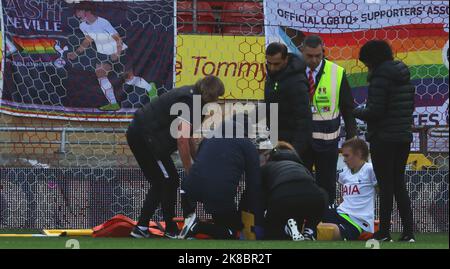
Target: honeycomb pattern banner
416, 30
65, 163
97, 61
238, 60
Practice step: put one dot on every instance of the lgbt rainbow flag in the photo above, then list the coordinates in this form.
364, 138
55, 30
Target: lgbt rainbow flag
36, 45
419, 46
417, 32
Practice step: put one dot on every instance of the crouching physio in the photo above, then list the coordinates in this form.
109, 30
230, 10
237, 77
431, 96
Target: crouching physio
214, 179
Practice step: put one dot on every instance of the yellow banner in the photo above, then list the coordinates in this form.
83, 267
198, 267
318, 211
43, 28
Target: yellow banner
238, 60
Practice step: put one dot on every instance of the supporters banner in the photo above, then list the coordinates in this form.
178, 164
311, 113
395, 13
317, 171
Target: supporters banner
417, 31
95, 61
238, 60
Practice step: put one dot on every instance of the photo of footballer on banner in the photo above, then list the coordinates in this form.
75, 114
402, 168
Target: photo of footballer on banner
90, 60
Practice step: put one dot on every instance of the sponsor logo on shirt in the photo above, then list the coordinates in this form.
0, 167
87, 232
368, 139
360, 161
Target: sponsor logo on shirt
350, 190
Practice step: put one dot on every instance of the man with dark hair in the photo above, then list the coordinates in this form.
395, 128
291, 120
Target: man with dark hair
275, 48
330, 97
389, 116
151, 141
287, 86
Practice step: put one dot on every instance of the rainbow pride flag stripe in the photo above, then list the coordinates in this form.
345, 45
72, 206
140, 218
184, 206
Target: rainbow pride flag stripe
418, 45
36, 45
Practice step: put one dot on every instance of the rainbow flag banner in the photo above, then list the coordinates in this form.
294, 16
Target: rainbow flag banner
416, 30
49, 70
421, 47
36, 45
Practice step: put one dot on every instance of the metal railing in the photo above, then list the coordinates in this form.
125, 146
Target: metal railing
423, 131
63, 135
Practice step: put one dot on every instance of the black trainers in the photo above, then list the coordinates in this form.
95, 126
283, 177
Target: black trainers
308, 234
291, 229
382, 237
138, 233
189, 223
333, 206
171, 230
407, 238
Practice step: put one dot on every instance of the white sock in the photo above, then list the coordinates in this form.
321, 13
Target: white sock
107, 90
139, 82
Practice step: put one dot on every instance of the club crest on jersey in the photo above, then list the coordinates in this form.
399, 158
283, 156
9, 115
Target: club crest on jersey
350, 190
60, 62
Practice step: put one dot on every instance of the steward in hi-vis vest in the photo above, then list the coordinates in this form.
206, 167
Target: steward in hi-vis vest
330, 98
325, 104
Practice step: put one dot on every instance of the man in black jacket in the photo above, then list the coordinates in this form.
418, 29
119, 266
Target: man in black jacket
292, 196
152, 142
330, 97
389, 116
287, 86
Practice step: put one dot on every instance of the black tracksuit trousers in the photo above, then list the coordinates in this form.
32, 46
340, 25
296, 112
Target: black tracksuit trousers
389, 161
162, 175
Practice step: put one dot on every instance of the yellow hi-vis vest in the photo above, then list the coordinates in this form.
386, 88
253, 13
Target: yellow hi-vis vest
325, 105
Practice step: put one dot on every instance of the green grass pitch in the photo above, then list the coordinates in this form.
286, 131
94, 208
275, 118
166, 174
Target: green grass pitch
424, 241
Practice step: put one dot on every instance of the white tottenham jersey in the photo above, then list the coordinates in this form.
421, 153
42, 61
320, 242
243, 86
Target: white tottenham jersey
101, 31
358, 191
